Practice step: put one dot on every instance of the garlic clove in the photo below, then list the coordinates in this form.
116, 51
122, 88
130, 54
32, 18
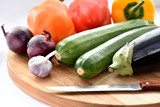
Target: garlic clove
40, 66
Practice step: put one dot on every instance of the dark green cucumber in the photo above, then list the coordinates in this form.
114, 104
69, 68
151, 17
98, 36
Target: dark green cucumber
69, 49
98, 59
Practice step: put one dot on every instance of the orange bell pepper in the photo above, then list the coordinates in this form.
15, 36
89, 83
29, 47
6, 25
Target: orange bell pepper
123, 10
52, 16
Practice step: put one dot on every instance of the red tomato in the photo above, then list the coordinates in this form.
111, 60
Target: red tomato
89, 14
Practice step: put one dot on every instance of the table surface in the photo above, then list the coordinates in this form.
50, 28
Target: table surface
16, 15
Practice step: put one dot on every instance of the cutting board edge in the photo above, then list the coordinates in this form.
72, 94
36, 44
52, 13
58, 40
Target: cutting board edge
50, 102
59, 104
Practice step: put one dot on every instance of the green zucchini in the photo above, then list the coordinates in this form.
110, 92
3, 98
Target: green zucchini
69, 49
98, 59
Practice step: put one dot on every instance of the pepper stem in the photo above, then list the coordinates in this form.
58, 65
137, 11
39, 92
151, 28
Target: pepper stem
122, 61
4, 32
134, 11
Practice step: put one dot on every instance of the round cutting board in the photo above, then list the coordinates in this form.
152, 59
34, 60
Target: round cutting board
62, 75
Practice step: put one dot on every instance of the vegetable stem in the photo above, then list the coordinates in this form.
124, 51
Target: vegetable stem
58, 56
151, 22
4, 32
51, 54
49, 35
134, 11
122, 61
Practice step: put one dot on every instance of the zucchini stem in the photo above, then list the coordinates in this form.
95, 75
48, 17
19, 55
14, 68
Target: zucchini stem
134, 11
58, 56
80, 71
151, 22
122, 61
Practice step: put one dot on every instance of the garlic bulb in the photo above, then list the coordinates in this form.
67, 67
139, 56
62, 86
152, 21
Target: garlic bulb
40, 66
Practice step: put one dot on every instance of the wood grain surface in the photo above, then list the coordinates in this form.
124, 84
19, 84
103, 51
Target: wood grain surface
62, 75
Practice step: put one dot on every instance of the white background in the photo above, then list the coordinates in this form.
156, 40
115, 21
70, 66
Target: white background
14, 13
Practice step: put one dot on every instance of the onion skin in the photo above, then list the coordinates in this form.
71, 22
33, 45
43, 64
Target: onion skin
17, 39
40, 45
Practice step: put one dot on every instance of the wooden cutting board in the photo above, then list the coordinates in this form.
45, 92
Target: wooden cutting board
65, 76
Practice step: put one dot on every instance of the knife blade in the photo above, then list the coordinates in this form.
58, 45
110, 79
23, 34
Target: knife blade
145, 86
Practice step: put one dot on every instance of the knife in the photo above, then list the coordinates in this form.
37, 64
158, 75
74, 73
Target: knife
142, 86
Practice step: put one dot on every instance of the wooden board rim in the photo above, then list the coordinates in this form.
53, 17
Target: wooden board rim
46, 93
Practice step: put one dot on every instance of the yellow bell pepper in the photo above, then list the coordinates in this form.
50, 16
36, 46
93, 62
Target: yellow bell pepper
123, 10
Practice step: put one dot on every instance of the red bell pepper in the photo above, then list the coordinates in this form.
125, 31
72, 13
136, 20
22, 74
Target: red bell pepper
89, 14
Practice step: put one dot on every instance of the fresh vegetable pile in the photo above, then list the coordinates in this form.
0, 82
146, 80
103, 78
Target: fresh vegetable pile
84, 37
